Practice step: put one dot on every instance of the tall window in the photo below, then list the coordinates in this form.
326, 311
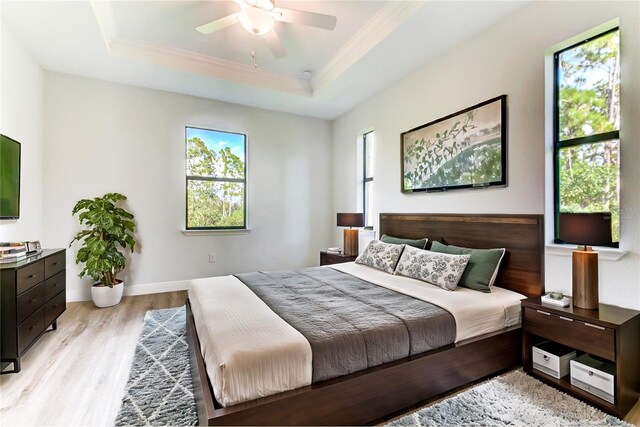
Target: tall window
216, 179
367, 177
587, 125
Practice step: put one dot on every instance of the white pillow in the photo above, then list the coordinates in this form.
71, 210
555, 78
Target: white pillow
380, 255
437, 268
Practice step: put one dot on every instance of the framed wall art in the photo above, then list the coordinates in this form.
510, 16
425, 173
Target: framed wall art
467, 149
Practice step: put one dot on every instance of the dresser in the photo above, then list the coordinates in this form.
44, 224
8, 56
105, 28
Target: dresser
33, 297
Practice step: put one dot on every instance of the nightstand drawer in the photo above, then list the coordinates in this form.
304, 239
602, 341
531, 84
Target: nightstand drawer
588, 337
326, 258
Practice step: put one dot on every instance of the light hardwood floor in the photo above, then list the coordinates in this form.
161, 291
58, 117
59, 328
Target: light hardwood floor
77, 374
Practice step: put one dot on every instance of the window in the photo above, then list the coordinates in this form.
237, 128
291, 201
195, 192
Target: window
216, 179
367, 178
587, 128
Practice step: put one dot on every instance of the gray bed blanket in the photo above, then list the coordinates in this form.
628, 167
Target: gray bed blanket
351, 324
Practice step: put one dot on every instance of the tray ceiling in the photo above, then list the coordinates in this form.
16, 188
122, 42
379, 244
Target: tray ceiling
154, 44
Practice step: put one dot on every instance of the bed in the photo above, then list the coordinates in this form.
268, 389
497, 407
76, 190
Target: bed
367, 395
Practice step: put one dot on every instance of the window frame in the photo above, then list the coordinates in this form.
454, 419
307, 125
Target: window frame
215, 179
366, 179
582, 140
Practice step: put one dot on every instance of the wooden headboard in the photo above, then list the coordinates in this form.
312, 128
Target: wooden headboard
522, 268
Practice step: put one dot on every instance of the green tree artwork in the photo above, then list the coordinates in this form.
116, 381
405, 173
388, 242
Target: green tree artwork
215, 179
589, 105
462, 150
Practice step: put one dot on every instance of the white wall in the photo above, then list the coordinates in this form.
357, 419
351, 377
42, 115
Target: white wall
103, 137
21, 103
506, 59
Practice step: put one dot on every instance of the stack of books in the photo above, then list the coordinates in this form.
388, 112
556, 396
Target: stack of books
334, 250
564, 302
12, 252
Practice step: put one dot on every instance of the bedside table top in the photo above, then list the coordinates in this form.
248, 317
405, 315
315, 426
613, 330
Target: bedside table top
609, 314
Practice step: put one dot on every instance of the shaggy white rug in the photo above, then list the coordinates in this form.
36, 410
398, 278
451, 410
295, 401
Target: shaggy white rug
515, 399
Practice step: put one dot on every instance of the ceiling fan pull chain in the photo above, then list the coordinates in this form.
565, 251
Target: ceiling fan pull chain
254, 56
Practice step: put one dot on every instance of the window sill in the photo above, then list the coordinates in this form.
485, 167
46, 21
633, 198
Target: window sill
609, 254
214, 232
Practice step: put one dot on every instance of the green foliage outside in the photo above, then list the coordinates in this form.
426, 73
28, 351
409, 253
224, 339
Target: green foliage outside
107, 228
218, 203
589, 104
451, 159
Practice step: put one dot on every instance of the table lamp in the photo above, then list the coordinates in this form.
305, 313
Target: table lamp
585, 229
350, 235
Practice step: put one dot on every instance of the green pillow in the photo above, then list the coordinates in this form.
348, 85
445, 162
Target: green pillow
416, 243
482, 267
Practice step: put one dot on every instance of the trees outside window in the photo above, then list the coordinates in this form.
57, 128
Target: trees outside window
587, 125
215, 179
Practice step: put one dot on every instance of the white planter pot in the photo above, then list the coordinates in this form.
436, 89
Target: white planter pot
104, 296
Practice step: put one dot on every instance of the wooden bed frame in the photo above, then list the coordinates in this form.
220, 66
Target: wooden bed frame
368, 395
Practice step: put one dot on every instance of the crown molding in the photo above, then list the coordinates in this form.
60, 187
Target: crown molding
370, 35
106, 21
197, 63
189, 61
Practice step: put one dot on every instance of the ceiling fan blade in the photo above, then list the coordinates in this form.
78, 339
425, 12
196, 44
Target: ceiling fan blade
274, 43
218, 24
301, 17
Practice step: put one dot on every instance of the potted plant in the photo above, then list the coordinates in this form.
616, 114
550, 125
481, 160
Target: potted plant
108, 229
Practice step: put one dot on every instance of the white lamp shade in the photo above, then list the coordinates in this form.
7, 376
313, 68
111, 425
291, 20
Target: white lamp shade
255, 20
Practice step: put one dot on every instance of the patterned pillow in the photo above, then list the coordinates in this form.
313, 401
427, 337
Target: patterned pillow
439, 269
383, 256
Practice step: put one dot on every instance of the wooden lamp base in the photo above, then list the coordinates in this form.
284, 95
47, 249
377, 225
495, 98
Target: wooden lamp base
351, 241
585, 279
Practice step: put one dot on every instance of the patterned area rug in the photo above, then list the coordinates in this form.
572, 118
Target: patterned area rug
514, 399
159, 390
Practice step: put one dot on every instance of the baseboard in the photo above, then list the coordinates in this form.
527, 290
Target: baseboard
131, 290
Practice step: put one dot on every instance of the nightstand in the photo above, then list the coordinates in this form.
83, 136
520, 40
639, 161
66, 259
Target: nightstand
326, 258
610, 333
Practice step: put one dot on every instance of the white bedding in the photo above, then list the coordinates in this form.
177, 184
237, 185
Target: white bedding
250, 352
475, 313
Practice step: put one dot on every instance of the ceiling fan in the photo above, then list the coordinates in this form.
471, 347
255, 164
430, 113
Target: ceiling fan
259, 16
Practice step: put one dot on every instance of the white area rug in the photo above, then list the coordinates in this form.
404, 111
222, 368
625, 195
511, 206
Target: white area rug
514, 399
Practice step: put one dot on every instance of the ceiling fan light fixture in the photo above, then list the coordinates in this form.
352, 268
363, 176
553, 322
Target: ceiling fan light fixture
255, 20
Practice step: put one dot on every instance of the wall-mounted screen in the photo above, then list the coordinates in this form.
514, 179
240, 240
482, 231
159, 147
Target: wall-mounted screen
9, 178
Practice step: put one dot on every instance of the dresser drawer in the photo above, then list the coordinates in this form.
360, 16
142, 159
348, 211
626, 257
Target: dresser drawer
588, 337
30, 329
30, 301
29, 276
54, 285
54, 264
55, 308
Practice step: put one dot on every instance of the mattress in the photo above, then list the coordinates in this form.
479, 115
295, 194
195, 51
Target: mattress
251, 352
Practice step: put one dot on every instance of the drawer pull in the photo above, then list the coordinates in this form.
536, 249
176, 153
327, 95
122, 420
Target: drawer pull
590, 373
543, 312
594, 326
545, 357
32, 276
54, 264
33, 300
55, 306
31, 328
566, 318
